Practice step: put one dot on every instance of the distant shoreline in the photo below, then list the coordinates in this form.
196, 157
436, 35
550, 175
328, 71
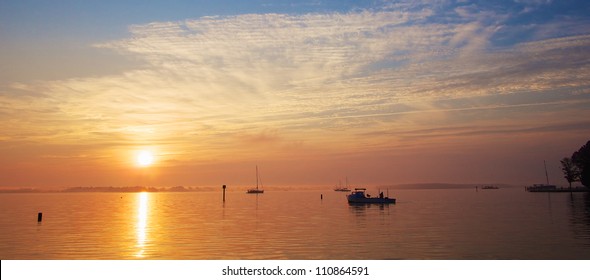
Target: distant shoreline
135, 189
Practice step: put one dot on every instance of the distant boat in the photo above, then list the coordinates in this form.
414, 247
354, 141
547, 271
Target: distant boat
359, 196
489, 187
342, 189
256, 190
543, 187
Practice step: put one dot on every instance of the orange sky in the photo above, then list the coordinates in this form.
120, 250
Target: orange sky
381, 96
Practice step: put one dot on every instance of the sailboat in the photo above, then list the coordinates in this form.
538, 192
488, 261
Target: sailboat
256, 190
342, 189
543, 187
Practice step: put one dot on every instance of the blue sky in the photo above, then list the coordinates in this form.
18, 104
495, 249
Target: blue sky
64, 19
35, 29
472, 91
66, 30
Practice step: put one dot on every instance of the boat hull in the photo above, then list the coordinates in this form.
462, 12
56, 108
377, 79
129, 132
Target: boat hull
365, 200
255, 191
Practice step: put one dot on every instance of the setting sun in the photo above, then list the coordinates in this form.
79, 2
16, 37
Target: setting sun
145, 158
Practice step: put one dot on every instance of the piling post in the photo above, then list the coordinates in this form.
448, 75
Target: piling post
223, 192
39, 217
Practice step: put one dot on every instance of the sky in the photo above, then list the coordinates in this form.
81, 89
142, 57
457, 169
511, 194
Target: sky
311, 92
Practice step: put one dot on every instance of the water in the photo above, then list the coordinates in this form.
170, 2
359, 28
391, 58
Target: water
425, 224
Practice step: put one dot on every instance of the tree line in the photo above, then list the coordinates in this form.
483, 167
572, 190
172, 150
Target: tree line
577, 167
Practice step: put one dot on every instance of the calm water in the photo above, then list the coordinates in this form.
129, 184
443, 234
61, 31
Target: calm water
424, 224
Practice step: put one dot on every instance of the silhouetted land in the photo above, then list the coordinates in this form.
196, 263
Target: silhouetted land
101, 189
444, 186
212, 188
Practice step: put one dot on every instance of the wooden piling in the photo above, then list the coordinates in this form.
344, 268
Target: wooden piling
223, 192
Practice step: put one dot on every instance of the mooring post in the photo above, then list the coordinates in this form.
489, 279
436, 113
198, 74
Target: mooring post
223, 192
39, 217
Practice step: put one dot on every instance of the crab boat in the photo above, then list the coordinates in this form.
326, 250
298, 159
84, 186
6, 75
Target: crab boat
359, 195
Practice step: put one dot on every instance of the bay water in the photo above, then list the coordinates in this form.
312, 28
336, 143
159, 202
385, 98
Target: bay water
296, 224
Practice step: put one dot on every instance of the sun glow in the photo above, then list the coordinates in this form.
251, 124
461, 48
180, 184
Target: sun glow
144, 158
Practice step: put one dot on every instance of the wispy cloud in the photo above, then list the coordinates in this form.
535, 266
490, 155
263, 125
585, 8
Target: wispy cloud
307, 81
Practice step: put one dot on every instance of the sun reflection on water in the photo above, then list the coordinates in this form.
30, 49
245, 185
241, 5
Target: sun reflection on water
142, 215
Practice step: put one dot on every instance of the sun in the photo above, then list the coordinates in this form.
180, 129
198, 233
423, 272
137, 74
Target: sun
144, 158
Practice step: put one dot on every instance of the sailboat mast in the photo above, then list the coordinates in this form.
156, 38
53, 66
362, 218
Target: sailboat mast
256, 176
546, 174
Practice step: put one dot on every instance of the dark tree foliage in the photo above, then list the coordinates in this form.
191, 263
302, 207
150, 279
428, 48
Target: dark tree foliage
570, 171
581, 159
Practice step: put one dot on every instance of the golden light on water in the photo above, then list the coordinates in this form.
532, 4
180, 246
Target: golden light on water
142, 217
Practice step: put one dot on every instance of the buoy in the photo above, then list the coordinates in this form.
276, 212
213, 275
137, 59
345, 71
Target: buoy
39, 217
